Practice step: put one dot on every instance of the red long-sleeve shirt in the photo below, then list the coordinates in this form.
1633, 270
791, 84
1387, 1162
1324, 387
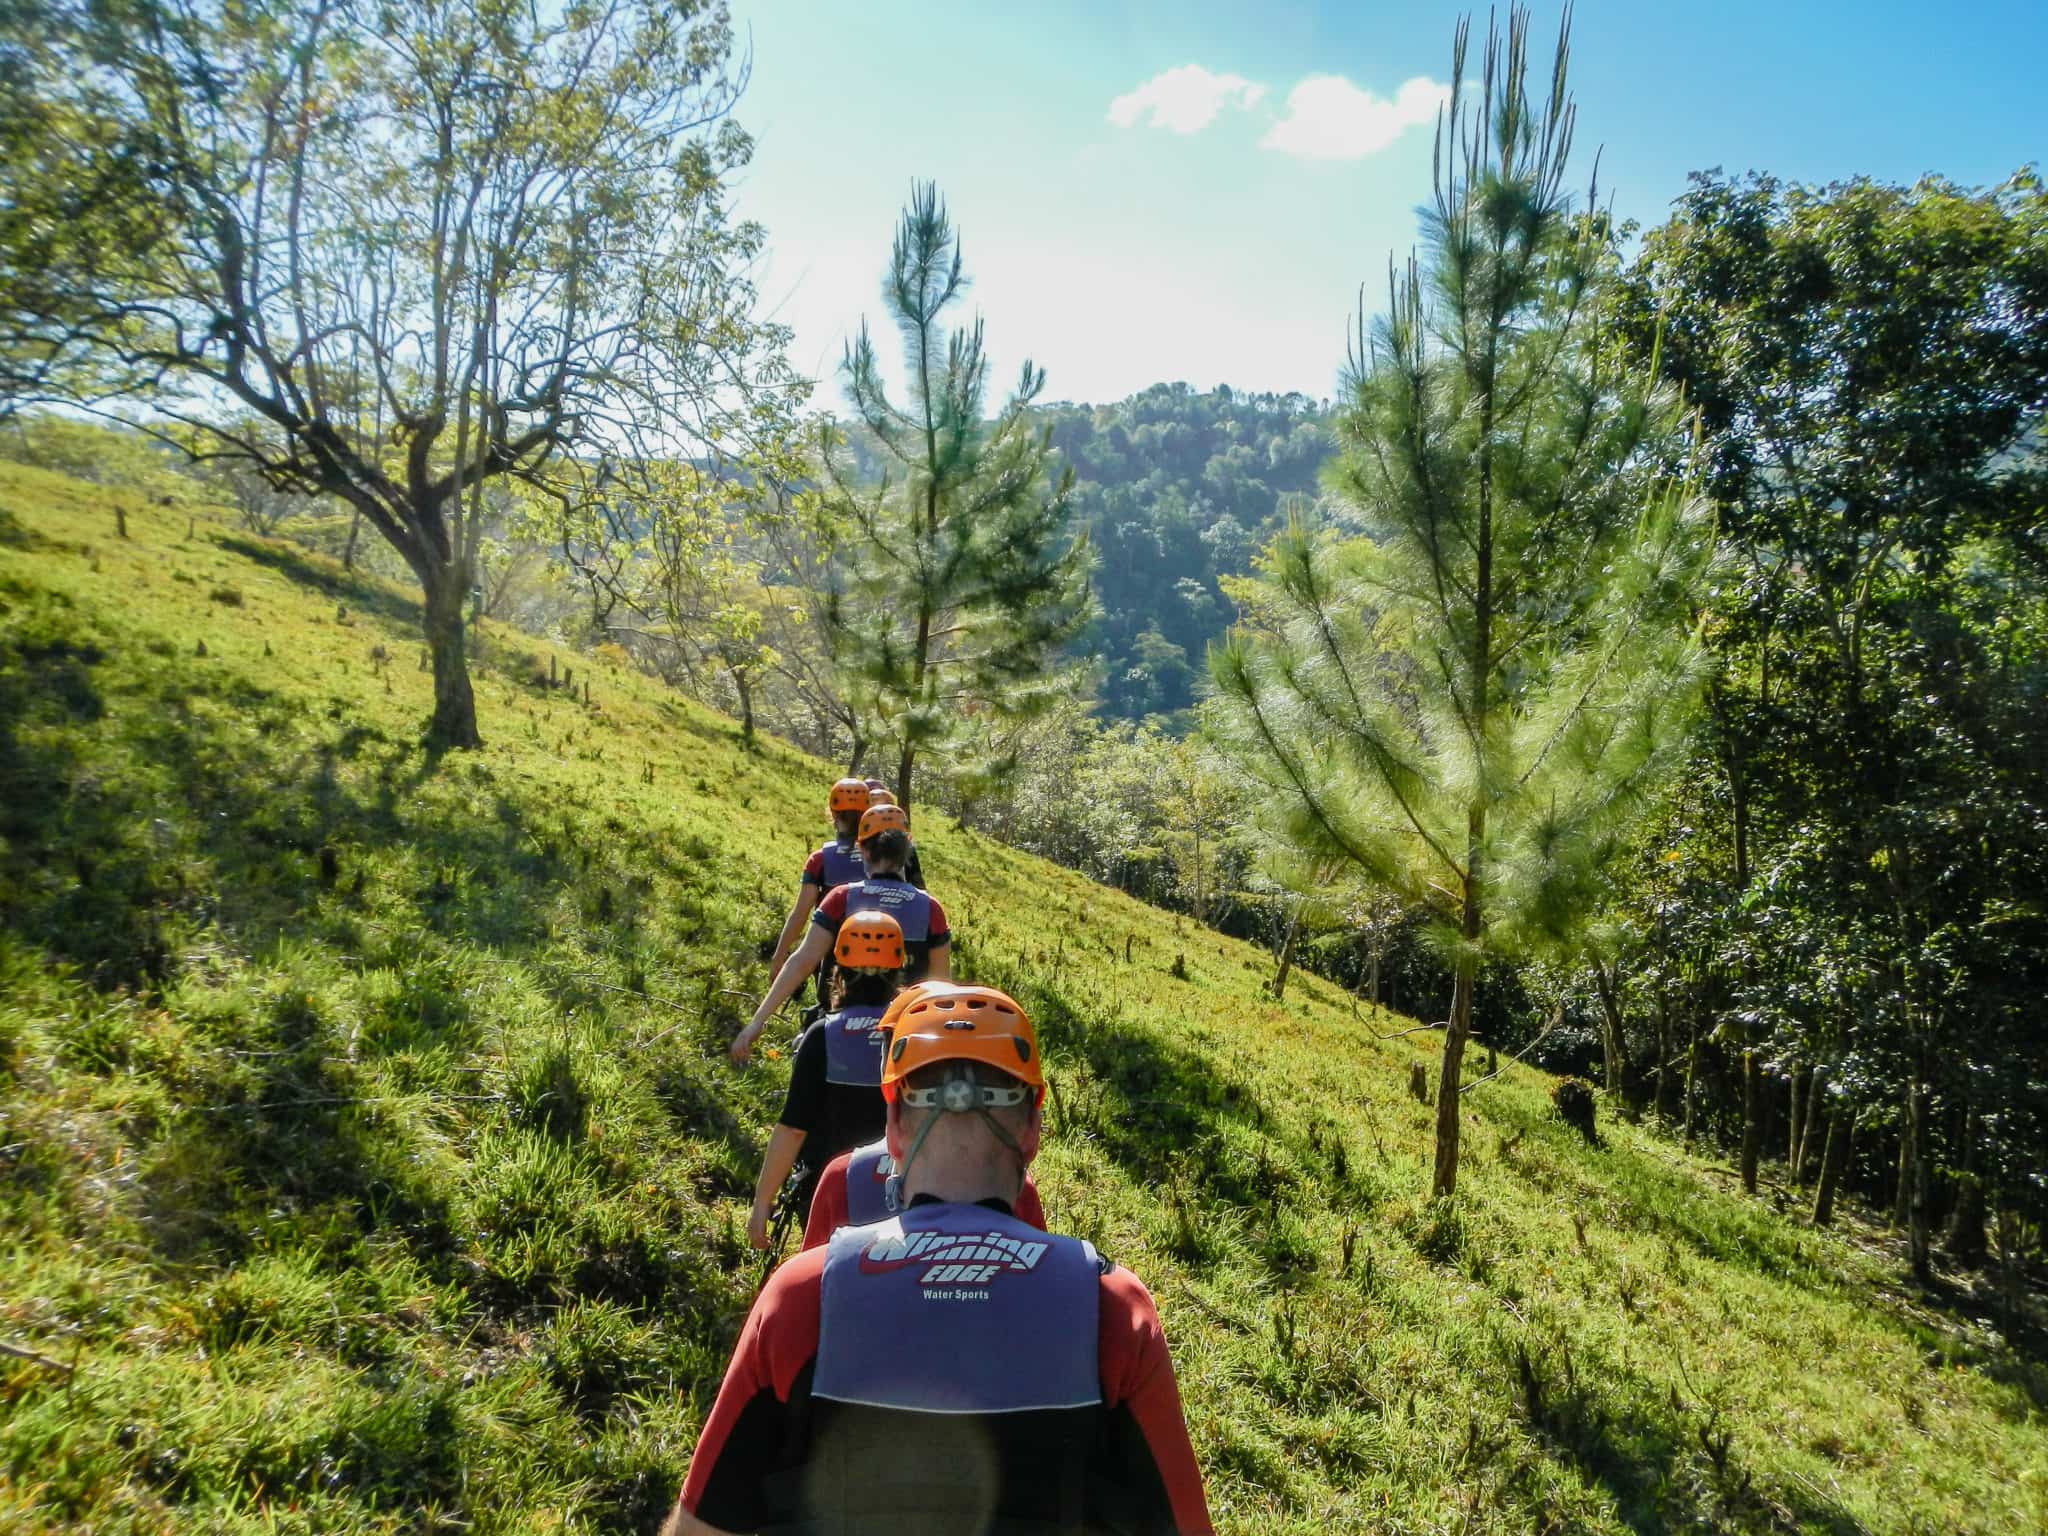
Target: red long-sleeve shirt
752, 1421
828, 1203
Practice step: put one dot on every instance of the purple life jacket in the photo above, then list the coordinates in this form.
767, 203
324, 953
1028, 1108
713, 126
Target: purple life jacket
843, 865
854, 1041
868, 1170
896, 896
958, 1309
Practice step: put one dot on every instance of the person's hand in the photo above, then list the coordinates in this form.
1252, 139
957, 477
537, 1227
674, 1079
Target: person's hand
757, 1228
743, 1045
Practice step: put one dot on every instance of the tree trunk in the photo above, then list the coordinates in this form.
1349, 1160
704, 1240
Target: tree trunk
1902, 1192
120, 519
348, 551
1665, 1058
746, 692
1692, 1069
2012, 1275
1841, 1127
855, 753
1767, 1112
1444, 1180
1613, 1048
1918, 1247
1966, 1241
1816, 1080
453, 726
1797, 1120
1286, 954
904, 766
1752, 1120
1375, 977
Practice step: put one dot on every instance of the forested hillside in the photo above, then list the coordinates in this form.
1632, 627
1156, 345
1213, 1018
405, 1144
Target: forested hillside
1176, 488
370, 1160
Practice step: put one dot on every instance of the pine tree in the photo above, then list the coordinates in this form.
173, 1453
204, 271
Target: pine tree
1467, 700
960, 580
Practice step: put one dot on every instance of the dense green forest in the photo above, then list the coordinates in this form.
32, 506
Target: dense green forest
1176, 488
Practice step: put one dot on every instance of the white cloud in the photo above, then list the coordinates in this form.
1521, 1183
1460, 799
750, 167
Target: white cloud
1329, 118
1185, 99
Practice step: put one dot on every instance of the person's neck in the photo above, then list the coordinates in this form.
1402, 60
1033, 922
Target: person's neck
960, 1189
895, 873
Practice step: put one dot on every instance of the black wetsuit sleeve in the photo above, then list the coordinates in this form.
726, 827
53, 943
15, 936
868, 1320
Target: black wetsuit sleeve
757, 1430
803, 1107
1148, 1473
750, 1453
1127, 1490
913, 871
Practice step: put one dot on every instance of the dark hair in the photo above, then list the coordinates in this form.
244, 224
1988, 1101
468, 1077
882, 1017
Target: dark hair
845, 824
856, 988
891, 846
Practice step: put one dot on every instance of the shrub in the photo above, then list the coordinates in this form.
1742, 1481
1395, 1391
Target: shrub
1573, 1097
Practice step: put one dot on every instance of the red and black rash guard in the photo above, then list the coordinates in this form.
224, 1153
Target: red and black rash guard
922, 919
834, 864
828, 1204
759, 1464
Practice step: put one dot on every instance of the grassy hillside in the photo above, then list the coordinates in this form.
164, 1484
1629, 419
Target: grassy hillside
369, 1159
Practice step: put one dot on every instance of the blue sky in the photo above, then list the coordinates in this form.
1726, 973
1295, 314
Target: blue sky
1197, 190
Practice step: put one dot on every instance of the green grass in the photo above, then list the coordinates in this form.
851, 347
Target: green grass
369, 1155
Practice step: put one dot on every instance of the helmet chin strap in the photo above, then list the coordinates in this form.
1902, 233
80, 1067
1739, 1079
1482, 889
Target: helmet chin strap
958, 1094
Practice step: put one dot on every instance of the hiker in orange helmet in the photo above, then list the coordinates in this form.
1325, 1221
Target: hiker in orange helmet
834, 1099
859, 1186
835, 862
883, 836
913, 871
949, 1369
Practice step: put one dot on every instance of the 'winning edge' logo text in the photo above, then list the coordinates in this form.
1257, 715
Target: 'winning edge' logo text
952, 1259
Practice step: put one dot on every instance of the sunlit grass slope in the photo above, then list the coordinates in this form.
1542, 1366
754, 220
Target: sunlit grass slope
369, 1159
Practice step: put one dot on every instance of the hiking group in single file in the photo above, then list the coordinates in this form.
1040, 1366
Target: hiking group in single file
936, 1359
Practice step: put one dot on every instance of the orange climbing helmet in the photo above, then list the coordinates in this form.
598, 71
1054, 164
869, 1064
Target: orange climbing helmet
954, 1021
848, 795
910, 994
869, 941
877, 819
